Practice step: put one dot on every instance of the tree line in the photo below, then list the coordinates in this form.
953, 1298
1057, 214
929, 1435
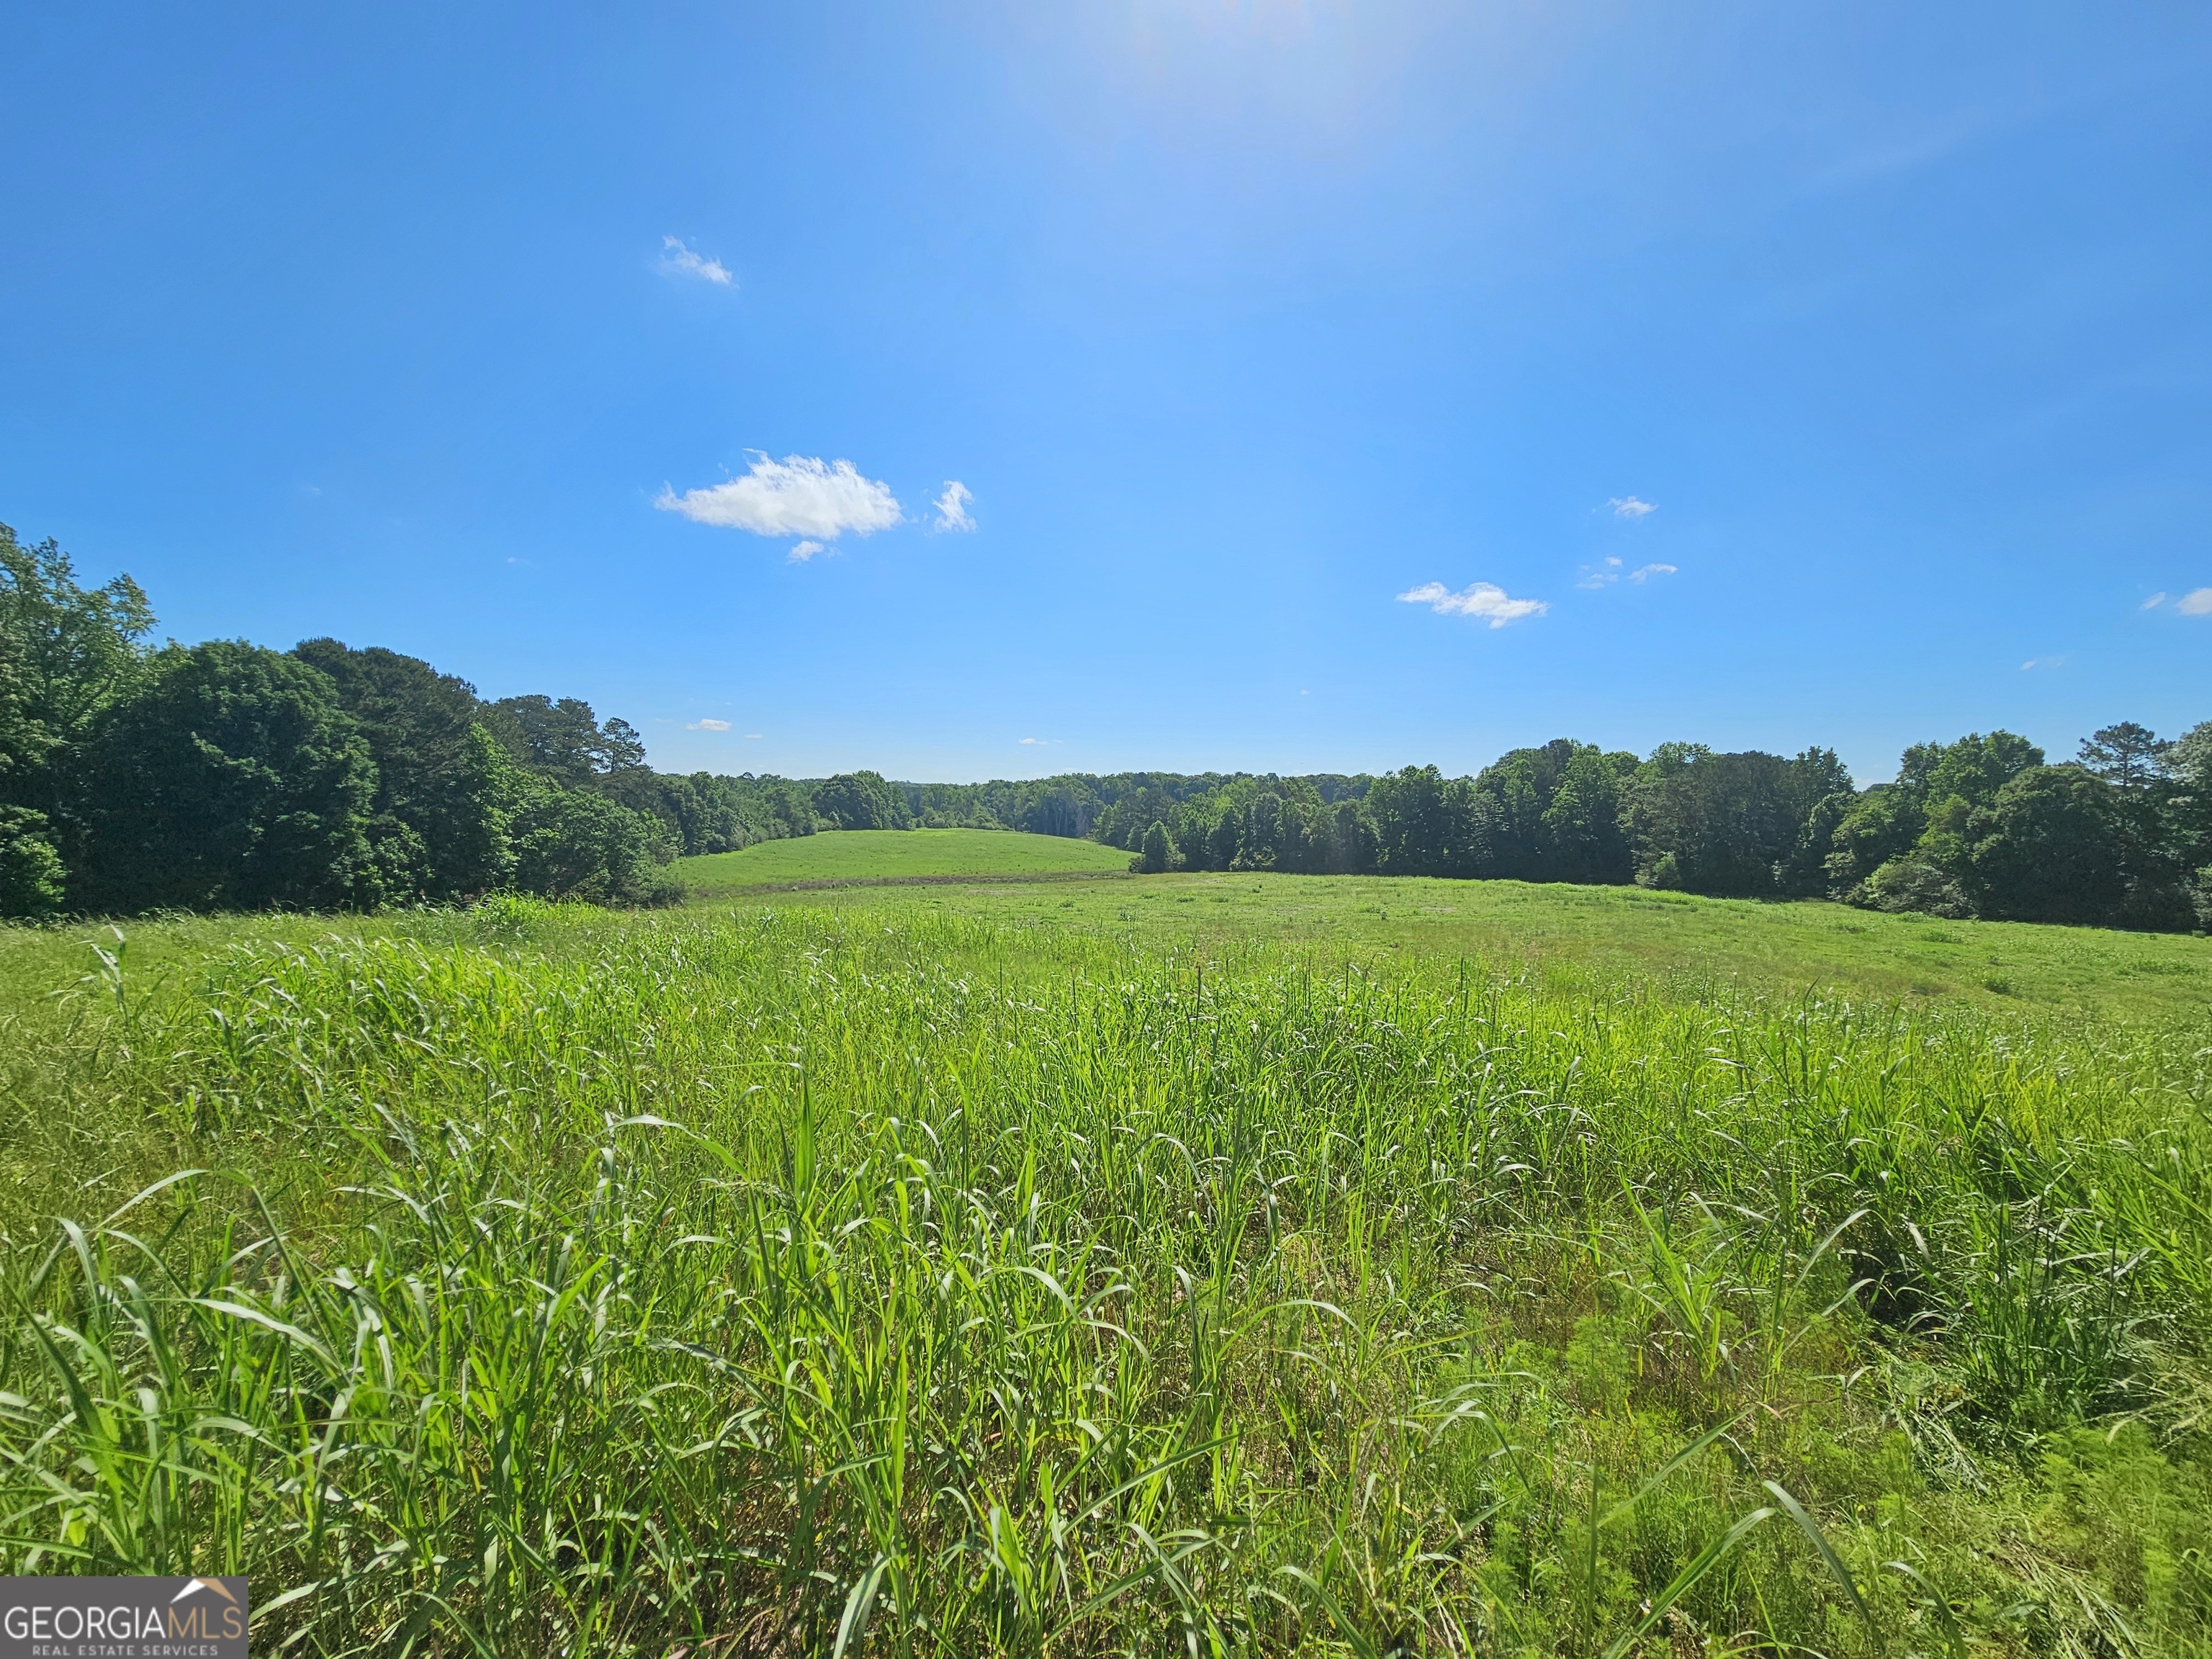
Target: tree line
2120, 835
228, 776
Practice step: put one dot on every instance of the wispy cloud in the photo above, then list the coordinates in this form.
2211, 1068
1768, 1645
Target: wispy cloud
1888, 155
1039, 742
707, 725
753, 736
2042, 662
802, 552
952, 506
1486, 601
678, 260
1606, 575
798, 496
1627, 506
2155, 601
2195, 603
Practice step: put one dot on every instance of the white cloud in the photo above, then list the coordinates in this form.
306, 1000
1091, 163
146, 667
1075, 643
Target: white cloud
707, 725
1606, 575
680, 261
2196, 603
803, 552
1627, 506
1483, 599
2042, 662
798, 496
952, 506
2153, 601
1040, 742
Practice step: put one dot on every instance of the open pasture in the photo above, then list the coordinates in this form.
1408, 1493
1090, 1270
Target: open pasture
1694, 946
943, 1271
895, 854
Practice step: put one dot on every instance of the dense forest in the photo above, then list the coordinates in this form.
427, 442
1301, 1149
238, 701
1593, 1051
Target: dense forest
228, 776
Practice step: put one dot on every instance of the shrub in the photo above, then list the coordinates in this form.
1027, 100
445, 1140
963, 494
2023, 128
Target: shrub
31, 877
1911, 883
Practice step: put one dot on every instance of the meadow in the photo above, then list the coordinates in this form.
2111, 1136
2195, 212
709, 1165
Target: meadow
1691, 945
1209, 1265
895, 856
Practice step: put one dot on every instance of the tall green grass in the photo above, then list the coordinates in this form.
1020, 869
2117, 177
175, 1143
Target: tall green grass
760, 1286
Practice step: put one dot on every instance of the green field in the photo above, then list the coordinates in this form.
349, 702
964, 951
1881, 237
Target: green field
895, 854
1212, 1265
1691, 946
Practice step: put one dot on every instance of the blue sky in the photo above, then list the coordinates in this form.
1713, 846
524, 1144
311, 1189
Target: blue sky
495, 336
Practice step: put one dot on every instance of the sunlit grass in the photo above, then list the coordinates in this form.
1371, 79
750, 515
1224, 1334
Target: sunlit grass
549, 1281
1694, 945
895, 854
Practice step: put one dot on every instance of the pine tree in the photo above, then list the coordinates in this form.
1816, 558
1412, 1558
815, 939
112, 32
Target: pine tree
2131, 756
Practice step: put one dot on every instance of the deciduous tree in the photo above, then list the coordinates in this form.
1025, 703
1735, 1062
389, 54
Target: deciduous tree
67, 653
230, 780
446, 792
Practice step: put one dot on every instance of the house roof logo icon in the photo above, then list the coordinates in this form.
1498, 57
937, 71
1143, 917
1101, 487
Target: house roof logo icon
192, 1584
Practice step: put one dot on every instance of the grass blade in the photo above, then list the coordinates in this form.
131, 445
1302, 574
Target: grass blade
1834, 1563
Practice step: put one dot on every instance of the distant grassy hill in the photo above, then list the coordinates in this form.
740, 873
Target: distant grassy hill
874, 854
